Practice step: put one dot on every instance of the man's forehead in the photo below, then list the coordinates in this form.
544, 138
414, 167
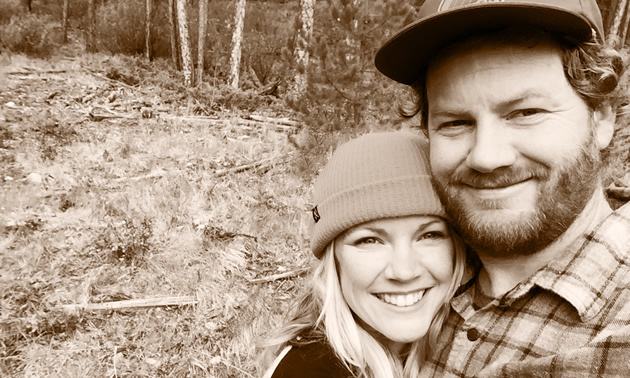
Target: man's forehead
496, 44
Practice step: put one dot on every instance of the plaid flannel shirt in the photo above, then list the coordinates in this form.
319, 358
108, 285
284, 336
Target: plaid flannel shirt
571, 318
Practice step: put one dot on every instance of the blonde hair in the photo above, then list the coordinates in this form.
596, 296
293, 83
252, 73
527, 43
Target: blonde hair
322, 312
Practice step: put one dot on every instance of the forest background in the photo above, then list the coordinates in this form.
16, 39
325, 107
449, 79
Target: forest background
154, 195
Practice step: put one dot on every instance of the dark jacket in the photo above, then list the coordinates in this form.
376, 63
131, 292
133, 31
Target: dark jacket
313, 360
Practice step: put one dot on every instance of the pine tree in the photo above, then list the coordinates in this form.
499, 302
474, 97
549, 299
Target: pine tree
147, 30
301, 53
345, 87
237, 39
184, 39
201, 40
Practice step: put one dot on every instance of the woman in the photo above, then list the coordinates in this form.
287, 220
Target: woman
388, 266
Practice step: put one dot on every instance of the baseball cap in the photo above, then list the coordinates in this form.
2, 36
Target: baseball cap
443, 22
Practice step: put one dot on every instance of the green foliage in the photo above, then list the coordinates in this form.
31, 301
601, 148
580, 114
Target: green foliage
266, 54
345, 91
120, 26
28, 33
9, 9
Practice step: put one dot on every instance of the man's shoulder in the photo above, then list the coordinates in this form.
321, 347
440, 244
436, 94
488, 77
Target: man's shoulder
614, 232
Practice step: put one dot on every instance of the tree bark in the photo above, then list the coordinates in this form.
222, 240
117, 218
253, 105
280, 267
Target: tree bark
237, 38
172, 19
626, 24
184, 39
147, 30
28, 5
201, 41
91, 45
64, 22
303, 34
616, 27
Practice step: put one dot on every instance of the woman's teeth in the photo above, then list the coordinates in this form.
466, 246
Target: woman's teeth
403, 300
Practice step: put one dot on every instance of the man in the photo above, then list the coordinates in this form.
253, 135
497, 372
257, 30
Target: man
519, 100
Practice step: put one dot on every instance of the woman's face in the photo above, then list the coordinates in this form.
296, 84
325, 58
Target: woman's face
395, 273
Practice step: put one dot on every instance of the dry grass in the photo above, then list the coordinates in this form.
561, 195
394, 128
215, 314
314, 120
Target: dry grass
133, 208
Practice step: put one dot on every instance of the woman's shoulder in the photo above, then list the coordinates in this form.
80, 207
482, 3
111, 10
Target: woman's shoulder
314, 359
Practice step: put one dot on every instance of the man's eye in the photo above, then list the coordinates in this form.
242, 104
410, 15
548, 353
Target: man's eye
455, 123
433, 235
525, 113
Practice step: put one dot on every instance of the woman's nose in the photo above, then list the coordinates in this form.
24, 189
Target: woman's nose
403, 264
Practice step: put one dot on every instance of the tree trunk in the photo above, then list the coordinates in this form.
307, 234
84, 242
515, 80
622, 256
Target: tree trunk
201, 42
91, 45
237, 37
184, 39
28, 5
147, 30
64, 22
616, 28
626, 24
172, 19
303, 34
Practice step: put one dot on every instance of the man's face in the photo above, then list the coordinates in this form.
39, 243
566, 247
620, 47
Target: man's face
514, 149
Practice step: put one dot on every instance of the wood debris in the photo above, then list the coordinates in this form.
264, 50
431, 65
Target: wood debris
131, 304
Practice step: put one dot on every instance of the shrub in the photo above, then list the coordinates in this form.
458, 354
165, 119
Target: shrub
126, 239
9, 9
120, 26
29, 34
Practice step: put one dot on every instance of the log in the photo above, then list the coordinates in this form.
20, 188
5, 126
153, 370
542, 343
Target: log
279, 276
131, 304
248, 166
281, 121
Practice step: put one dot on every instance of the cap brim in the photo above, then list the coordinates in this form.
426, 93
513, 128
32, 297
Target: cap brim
403, 56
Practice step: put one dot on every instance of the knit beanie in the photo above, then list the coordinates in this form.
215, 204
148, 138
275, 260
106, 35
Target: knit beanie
375, 176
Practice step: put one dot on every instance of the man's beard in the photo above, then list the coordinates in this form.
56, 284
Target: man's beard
562, 196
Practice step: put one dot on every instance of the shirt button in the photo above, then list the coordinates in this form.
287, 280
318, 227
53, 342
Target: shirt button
472, 334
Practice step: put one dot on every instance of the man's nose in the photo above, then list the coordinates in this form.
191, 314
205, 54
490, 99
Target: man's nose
492, 147
403, 265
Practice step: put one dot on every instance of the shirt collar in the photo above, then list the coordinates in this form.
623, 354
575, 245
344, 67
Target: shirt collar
593, 267
585, 276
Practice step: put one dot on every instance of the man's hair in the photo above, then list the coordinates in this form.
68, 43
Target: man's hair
322, 313
594, 70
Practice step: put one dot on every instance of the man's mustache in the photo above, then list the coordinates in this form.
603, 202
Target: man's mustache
500, 177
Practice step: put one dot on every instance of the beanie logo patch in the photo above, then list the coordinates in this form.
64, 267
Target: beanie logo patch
316, 216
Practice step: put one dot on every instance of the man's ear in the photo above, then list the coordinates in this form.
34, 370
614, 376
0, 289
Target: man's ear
604, 120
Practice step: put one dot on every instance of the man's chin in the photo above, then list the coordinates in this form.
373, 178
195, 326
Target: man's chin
500, 232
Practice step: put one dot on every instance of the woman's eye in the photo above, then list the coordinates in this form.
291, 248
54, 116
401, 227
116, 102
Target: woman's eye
367, 240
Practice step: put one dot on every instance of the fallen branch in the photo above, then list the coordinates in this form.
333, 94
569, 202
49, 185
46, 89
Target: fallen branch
99, 75
281, 121
32, 72
257, 164
100, 113
618, 192
152, 175
131, 304
279, 276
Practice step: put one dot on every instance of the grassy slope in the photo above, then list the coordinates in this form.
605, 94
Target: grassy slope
132, 208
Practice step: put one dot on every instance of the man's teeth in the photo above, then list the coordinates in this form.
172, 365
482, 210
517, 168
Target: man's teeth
403, 300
